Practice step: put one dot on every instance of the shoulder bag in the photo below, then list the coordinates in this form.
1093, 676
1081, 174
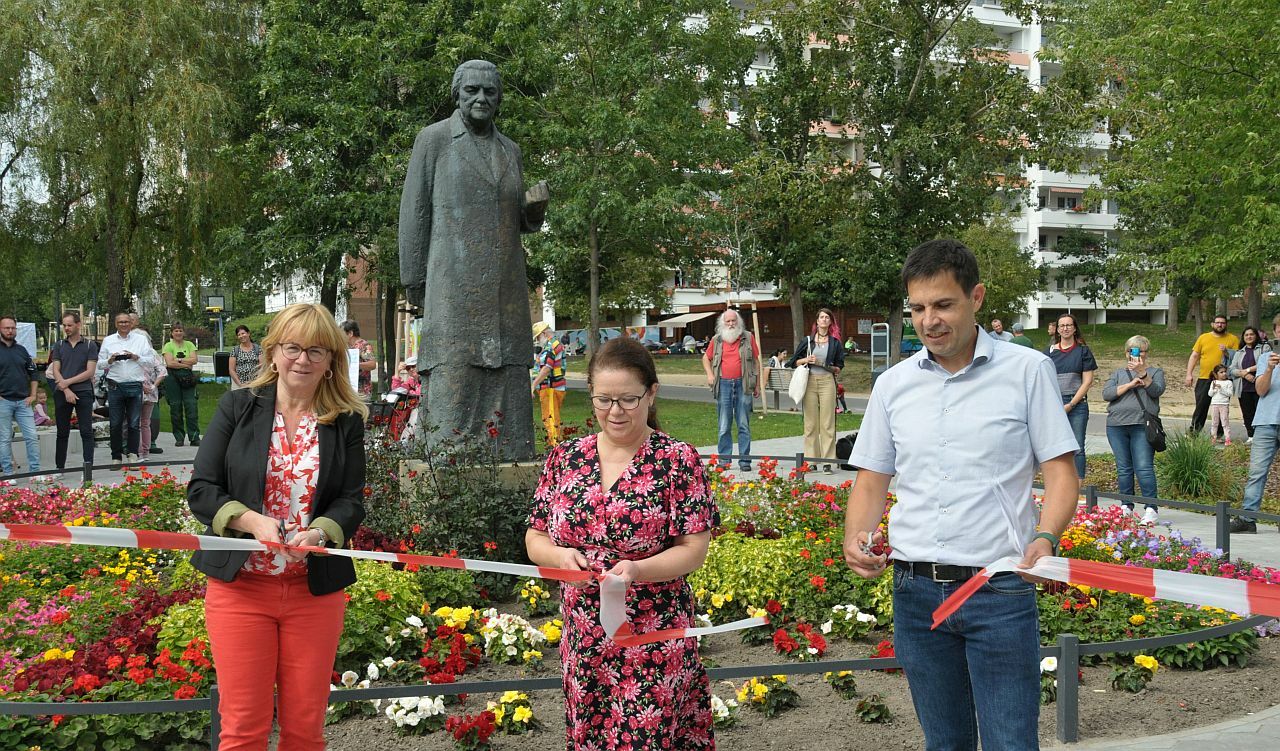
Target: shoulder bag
1155, 428
800, 378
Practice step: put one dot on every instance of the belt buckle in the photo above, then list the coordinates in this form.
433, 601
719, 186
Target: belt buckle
937, 577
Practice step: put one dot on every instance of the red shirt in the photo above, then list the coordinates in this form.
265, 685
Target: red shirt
731, 360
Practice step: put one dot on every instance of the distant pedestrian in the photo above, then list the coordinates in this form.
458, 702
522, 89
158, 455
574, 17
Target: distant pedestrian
1220, 391
73, 363
181, 386
824, 355
120, 356
1020, 338
364, 381
1266, 427
1132, 394
1209, 351
731, 364
18, 386
406, 379
1244, 369
1052, 331
549, 383
153, 376
997, 331
1075, 365
246, 357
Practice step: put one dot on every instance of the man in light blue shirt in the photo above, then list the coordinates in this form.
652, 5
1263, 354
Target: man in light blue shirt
1266, 426
964, 424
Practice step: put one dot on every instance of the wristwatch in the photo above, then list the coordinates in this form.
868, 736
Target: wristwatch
1051, 537
324, 536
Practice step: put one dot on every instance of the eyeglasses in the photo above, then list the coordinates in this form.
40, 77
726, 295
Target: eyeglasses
1066, 326
605, 403
314, 354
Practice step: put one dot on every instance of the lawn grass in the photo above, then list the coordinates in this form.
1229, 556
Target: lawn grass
695, 422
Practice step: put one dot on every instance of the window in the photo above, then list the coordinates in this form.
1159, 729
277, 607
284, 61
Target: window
1068, 203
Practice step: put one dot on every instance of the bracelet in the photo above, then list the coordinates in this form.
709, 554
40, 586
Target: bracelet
1051, 537
324, 536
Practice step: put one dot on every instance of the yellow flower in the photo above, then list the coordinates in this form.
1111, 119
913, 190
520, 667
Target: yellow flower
509, 697
780, 678
1147, 662
444, 612
498, 712
523, 714
1138, 619
532, 655
742, 694
717, 600
758, 691
53, 654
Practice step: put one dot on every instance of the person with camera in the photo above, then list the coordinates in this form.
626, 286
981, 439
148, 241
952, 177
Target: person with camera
1132, 393
123, 354
180, 387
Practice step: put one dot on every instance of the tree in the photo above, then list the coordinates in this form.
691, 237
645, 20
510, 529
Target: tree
1010, 273
344, 86
618, 112
1084, 257
123, 110
1191, 102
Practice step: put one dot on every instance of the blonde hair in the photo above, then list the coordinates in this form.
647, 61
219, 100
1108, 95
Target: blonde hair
1139, 341
313, 326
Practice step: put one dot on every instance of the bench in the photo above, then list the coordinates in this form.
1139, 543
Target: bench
779, 381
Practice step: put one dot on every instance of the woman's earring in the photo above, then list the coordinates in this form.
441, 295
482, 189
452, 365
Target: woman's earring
272, 367
328, 375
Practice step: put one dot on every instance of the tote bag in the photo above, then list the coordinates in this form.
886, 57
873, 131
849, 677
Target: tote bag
799, 380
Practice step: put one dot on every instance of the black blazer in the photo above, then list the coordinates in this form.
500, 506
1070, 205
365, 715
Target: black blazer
231, 465
835, 353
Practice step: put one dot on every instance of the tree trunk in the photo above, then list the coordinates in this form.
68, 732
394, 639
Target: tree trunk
593, 325
330, 282
112, 255
378, 335
1197, 314
1171, 317
391, 354
894, 319
797, 311
1253, 304
1220, 306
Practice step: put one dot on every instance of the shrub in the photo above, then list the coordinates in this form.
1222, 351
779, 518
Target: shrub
180, 625
377, 606
446, 586
1192, 469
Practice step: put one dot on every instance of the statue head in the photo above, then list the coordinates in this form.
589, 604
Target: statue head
477, 90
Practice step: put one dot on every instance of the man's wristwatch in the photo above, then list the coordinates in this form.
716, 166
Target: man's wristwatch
1051, 537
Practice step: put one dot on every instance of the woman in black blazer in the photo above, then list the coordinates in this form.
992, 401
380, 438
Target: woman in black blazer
282, 461
823, 352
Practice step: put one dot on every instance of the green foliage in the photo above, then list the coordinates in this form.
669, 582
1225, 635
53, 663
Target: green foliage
1134, 678
843, 683
1191, 468
446, 586
872, 709
180, 624
1009, 273
381, 600
1224, 651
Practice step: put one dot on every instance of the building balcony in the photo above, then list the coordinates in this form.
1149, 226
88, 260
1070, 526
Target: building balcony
1064, 218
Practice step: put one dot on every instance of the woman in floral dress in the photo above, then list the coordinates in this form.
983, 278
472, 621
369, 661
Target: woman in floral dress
634, 502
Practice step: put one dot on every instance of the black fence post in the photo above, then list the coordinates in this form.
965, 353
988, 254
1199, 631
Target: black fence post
1090, 497
88, 473
1223, 515
800, 463
1068, 688
215, 725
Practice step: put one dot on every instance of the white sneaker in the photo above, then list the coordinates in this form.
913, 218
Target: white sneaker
1248, 440
1149, 517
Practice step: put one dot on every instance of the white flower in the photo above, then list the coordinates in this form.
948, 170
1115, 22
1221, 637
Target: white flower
813, 650
390, 641
411, 719
511, 650
508, 638
866, 618
414, 621
1049, 664
406, 632
410, 703
373, 672
388, 662
826, 627
349, 678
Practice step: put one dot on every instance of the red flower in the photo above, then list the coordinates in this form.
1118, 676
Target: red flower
819, 582
773, 607
493, 432
86, 682
114, 662
185, 692
805, 554
382, 595
828, 561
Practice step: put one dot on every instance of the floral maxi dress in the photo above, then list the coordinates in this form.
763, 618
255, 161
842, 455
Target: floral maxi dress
654, 696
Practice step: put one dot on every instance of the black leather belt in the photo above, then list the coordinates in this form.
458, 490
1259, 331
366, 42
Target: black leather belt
939, 572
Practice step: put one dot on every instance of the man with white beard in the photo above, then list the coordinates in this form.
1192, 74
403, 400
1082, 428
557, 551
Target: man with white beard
732, 363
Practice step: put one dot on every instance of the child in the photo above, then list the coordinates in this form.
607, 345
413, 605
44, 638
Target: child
42, 416
1220, 389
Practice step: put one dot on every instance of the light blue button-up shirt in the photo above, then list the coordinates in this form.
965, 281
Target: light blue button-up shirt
1268, 412
965, 448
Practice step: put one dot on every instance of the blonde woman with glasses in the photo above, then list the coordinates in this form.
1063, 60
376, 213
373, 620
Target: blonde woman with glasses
282, 461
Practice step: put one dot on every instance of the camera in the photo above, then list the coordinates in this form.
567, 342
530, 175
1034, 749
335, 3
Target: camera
121, 356
1135, 352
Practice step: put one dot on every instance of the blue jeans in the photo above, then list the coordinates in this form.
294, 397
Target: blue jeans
984, 659
1134, 456
1079, 419
124, 406
1261, 453
19, 410
734, 405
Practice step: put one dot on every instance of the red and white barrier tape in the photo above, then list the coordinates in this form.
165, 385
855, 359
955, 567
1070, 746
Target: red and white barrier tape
1235, 595
613, 592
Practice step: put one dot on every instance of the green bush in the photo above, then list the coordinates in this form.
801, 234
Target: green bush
1193, 469
377, 606
180, 624
446, 586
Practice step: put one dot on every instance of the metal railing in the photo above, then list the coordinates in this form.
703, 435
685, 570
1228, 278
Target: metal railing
1221, 511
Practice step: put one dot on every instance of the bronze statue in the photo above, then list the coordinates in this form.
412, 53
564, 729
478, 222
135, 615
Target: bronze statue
461, 261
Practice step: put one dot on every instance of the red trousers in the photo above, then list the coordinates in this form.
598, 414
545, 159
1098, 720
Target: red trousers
270, 635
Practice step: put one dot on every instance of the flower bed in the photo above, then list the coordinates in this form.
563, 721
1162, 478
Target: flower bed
101, 624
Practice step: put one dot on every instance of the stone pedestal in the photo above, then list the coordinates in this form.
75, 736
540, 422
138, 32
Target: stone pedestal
512, 475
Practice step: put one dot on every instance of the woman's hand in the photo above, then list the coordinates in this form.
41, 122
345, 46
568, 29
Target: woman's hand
573, 560
262, 527
298, 537
628, 571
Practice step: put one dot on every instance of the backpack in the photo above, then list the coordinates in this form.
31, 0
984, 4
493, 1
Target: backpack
844, 449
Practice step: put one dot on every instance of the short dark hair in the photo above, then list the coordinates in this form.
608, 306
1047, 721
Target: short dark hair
351, 327
177, 325
1223, 317
243, 328
625, 353
946, 255
72, 314
7, 317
